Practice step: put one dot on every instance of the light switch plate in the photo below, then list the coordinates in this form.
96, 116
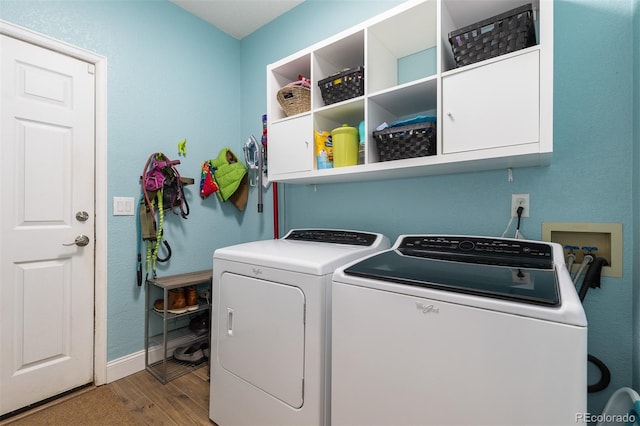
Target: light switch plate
123, 206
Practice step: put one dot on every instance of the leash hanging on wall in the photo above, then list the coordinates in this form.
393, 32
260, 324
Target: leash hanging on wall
162, 189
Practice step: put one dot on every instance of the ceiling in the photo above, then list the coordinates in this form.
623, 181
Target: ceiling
238, 18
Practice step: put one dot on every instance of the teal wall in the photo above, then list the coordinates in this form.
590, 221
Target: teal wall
172, 76
636, 192
589, 180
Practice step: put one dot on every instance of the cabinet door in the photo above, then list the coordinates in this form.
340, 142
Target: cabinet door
261, 335
492, 106
291, 146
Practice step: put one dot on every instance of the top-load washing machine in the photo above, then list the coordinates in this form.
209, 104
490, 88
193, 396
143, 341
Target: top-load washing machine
458, 330
271, 326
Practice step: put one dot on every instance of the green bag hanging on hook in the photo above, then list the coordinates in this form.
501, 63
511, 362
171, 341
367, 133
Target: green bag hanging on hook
232, 178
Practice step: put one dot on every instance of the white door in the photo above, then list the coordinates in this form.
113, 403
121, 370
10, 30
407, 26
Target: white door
47, 192
261, 335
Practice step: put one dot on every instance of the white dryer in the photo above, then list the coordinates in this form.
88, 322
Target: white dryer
271, 326
458, 330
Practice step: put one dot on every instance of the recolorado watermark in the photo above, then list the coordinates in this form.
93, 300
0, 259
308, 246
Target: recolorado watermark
623, 419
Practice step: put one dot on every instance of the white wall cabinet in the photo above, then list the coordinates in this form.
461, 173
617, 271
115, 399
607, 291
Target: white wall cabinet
492, 106
492, 114
296, 154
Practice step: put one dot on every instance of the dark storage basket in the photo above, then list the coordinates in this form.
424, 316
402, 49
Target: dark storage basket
414, 140
504, 33
344, 85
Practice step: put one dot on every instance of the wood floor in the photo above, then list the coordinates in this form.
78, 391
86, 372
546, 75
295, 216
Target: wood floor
182, 401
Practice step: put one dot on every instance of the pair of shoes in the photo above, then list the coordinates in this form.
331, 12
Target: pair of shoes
177, 304
191, 294
205, 349
200, 324
206, 296
180, 301
193, 354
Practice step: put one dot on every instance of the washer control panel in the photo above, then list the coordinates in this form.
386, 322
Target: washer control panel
334, 236
493, 251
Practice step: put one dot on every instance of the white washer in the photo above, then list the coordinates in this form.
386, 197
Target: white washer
271, 326
458, 330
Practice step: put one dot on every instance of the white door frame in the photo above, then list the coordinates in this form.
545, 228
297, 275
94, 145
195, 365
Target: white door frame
100, 162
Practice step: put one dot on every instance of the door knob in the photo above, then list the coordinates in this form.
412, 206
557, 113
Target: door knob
82, 216
80, 241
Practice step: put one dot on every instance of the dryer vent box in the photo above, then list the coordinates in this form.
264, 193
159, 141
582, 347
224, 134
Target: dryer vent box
607, 237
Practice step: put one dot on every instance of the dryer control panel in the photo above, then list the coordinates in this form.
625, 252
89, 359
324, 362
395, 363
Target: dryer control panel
491, 251
335, 236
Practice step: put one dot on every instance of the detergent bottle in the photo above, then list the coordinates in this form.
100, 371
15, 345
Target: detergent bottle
361, 137
324, 150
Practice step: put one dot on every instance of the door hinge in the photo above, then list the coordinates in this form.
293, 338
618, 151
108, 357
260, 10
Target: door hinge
91, 69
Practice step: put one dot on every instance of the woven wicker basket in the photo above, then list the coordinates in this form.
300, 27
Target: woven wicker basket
294, 99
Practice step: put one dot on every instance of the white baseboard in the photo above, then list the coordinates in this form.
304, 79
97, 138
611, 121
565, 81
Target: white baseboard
133, 363
125, 366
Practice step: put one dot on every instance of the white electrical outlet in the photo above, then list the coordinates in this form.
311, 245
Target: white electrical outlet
520, 200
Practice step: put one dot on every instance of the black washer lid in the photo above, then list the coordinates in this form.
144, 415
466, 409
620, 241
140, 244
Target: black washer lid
518, 284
